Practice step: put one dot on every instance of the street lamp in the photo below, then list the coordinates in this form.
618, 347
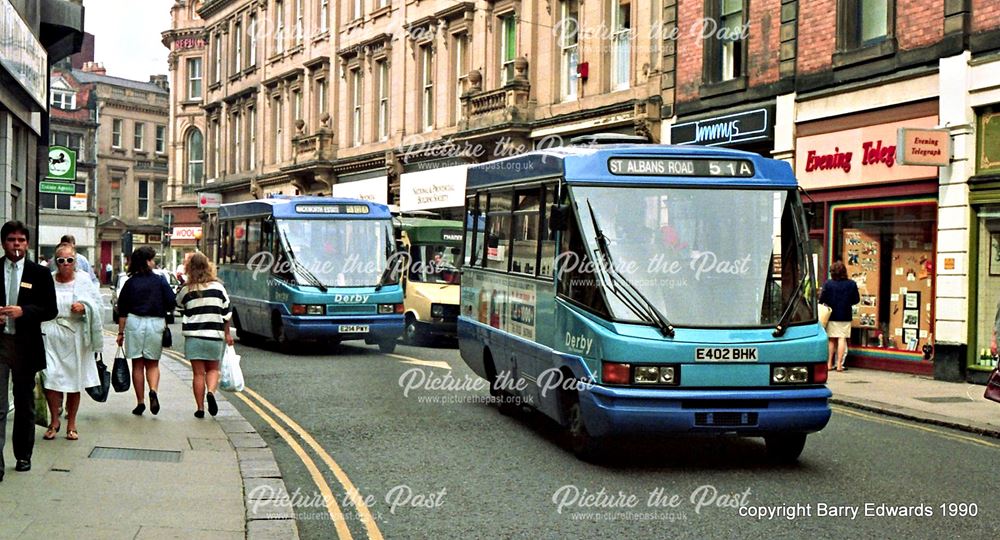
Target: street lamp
197, 240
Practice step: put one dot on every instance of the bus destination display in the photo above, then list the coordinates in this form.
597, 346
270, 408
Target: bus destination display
741, 168
331, 209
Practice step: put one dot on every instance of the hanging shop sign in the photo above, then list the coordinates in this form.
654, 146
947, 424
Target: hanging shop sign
22, 55
860, 156
753, 125
209, 200
436, 188
372, 190
930, 147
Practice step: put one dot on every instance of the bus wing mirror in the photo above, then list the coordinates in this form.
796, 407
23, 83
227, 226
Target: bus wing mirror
559, 215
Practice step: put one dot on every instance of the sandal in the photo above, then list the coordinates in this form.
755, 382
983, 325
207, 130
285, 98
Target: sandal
51, 433
72, 435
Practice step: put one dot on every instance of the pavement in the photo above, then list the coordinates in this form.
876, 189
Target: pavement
148, 477
918, 398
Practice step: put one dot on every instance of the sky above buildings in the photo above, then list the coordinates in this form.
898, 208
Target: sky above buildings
127, 36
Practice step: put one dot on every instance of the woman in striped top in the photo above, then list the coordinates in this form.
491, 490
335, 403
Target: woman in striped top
204, 303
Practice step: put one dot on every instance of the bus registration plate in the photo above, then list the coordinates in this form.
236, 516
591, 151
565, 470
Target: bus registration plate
353, 329
725, 354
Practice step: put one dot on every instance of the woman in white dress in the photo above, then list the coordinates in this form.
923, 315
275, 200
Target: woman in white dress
71, 339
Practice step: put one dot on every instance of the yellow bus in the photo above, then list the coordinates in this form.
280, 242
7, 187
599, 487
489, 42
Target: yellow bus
431, 282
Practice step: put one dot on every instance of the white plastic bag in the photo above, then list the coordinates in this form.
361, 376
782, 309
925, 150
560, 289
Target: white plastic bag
231, 378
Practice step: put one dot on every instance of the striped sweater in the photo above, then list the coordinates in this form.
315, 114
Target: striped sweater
205, 309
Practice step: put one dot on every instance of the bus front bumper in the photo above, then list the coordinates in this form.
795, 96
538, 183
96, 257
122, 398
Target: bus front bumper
439, 327
745, 412
379, 327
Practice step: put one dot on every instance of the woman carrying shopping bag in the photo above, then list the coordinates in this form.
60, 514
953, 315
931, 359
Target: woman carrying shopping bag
204, 304
71, 339
143, 306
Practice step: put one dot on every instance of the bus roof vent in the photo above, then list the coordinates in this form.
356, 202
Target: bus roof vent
607, 138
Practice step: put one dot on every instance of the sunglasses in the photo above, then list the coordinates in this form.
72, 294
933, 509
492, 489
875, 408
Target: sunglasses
65, 260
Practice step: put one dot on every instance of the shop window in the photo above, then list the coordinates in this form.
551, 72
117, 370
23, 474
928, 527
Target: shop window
988, 285
889, 252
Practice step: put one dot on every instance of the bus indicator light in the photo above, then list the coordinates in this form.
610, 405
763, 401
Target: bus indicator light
789, 374
615, 373
647, 375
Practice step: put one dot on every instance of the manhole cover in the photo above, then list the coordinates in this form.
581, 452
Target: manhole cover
944, 399
136, 454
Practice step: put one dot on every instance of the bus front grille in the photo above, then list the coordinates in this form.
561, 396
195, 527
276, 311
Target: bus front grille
338, 309
725, 419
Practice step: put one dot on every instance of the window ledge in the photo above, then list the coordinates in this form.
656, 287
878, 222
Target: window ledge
325, 34
215, 86
295, 50
847, 58
712, 89
355, 23
380, 12
194, 102
275, 58
250, 70
235, 76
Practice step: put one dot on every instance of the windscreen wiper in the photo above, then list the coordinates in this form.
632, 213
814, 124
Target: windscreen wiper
301, 268
635, 300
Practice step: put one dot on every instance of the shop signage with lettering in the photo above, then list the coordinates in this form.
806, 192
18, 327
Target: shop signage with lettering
184, 233
22, 55
923, 147
184, 44
209, 200
372, 190
754, 125
860, 156
436, 188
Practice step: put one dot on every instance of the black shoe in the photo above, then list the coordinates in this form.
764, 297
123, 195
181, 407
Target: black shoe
199, 414
139, 409
213, 407
23, 465
154, 403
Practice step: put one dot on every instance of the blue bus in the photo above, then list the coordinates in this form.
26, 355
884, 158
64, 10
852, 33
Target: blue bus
642, 289
311, 268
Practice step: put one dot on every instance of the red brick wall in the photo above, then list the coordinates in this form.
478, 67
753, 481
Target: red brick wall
763, 55
817, 41
690, 50
764, 39
985, 15
919, 23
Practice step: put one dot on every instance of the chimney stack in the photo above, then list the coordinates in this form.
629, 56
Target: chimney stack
94, 67
160, 80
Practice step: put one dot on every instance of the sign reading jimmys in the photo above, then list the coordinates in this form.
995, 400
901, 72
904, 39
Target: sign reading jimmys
734, 128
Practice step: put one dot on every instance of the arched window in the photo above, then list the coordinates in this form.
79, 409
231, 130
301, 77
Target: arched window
195, 157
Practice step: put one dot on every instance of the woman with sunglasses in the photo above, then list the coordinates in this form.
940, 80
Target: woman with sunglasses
143, 305
71, 339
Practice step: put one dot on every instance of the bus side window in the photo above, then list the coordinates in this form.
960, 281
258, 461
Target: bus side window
548, 237
577, 280
498, 220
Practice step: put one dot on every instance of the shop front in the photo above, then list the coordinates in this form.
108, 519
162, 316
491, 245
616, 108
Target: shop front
984, 197
880, 218
749, 128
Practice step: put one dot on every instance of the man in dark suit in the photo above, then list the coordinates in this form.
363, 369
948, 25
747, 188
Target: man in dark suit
29, 298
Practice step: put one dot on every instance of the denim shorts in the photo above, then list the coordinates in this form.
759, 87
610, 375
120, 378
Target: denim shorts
144, 337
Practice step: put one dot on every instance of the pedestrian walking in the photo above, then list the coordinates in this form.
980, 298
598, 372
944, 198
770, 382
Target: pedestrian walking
143, 305
29, 299
71, 339
840, 294
108, 269
204, 304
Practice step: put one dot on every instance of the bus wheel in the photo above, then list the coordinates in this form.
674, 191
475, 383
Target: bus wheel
785, 448
241, 333
503, 399
278, 331
411, 334
386, 347
581, 442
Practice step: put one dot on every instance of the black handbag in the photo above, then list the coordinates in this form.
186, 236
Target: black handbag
100, 392
168, 338
121, 379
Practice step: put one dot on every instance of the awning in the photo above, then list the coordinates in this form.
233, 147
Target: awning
435, 188
371, 190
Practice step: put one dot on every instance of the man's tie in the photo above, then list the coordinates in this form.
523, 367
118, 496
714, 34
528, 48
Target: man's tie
11, 297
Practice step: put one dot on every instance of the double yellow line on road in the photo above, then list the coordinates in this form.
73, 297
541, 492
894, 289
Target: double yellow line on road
258, 404
901, 423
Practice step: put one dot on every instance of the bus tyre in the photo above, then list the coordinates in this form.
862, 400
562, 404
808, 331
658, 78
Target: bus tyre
785, 448
585, 446
244, 336
386, 347
278, 331
411, 333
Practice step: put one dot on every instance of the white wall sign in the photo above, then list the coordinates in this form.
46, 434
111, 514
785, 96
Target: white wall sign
436, 188
209, 200
372, 190
184, 233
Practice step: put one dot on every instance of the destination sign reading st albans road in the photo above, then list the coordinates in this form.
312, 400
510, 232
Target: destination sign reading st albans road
680, 167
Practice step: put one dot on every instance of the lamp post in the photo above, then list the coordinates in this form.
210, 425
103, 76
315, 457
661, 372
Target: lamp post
197, 240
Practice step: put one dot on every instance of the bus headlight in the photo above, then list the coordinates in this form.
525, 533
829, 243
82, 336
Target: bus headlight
308, 309
387, 309
655, 375
789, 374
437, 311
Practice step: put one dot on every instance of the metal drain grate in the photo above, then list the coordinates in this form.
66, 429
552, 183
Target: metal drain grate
136, 454
944, 399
